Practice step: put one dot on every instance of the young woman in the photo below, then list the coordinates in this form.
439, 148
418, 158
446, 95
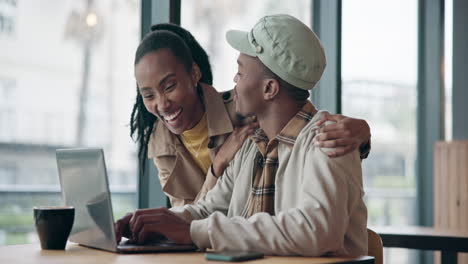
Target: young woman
189, 129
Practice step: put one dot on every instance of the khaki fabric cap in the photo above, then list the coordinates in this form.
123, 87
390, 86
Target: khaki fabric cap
286, 46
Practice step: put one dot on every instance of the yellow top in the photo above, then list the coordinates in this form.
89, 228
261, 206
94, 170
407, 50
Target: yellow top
196, 142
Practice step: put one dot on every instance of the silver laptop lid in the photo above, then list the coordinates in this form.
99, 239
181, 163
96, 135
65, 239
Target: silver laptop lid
84, 184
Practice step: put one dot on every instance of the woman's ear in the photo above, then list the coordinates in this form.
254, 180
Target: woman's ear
270, 89
196, 74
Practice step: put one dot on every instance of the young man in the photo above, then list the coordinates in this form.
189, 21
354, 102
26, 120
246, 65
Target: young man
281, 195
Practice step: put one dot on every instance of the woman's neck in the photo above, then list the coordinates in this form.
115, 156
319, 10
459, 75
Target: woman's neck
199, 111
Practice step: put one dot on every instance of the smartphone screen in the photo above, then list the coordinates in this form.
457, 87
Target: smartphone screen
233, 255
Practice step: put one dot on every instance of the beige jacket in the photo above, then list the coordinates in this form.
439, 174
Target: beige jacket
319, 207
181, 179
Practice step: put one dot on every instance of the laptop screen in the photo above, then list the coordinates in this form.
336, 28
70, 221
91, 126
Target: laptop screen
84, 184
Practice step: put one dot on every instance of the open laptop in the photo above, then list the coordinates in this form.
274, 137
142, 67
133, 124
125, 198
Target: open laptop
84, 184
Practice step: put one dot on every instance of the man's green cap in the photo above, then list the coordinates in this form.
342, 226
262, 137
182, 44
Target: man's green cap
284, 45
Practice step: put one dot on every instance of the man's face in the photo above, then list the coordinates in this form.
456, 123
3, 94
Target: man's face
248, 90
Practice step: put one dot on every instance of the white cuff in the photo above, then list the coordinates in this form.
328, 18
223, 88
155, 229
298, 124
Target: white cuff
199, 233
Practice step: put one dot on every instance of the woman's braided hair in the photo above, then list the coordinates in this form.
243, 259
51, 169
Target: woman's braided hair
184, 47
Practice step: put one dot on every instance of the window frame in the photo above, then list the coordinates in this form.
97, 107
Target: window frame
150, 192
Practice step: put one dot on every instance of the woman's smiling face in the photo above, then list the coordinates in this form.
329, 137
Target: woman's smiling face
169, 90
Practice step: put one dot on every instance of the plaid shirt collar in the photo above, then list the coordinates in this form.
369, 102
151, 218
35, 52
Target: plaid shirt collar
289, 132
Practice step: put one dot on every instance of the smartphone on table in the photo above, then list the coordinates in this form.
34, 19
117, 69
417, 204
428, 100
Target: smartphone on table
233, 255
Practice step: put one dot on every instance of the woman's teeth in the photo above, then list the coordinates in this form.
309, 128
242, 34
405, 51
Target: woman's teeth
174, 115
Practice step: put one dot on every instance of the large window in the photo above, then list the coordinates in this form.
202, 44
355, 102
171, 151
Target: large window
379, 77
210, 20
66, 81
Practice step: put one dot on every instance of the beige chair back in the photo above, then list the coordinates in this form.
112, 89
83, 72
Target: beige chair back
375, 247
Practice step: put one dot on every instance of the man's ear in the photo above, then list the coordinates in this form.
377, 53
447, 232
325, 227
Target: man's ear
270, 89
196, 74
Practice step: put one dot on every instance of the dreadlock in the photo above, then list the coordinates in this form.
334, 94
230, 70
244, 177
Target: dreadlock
183, 46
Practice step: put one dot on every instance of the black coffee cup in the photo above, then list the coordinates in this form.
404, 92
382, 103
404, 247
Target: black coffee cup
53, 225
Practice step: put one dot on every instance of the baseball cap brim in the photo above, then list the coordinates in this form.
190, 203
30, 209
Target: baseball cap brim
239, 40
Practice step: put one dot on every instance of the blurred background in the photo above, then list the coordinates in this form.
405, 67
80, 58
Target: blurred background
66, 79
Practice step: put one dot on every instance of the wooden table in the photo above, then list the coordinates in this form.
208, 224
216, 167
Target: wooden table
32, 253
450, 242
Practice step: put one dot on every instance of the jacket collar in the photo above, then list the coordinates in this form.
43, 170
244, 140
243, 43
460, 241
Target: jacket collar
164, 142
290, 131
217, 116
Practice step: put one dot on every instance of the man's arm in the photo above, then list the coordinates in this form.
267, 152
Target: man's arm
330, 191
145, 225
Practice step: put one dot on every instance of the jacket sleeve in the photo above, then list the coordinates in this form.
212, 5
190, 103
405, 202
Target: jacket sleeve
317, 226
365, 149
163, 175
216, 199
210, 182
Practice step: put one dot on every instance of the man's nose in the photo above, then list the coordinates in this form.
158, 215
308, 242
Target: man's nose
236, 78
